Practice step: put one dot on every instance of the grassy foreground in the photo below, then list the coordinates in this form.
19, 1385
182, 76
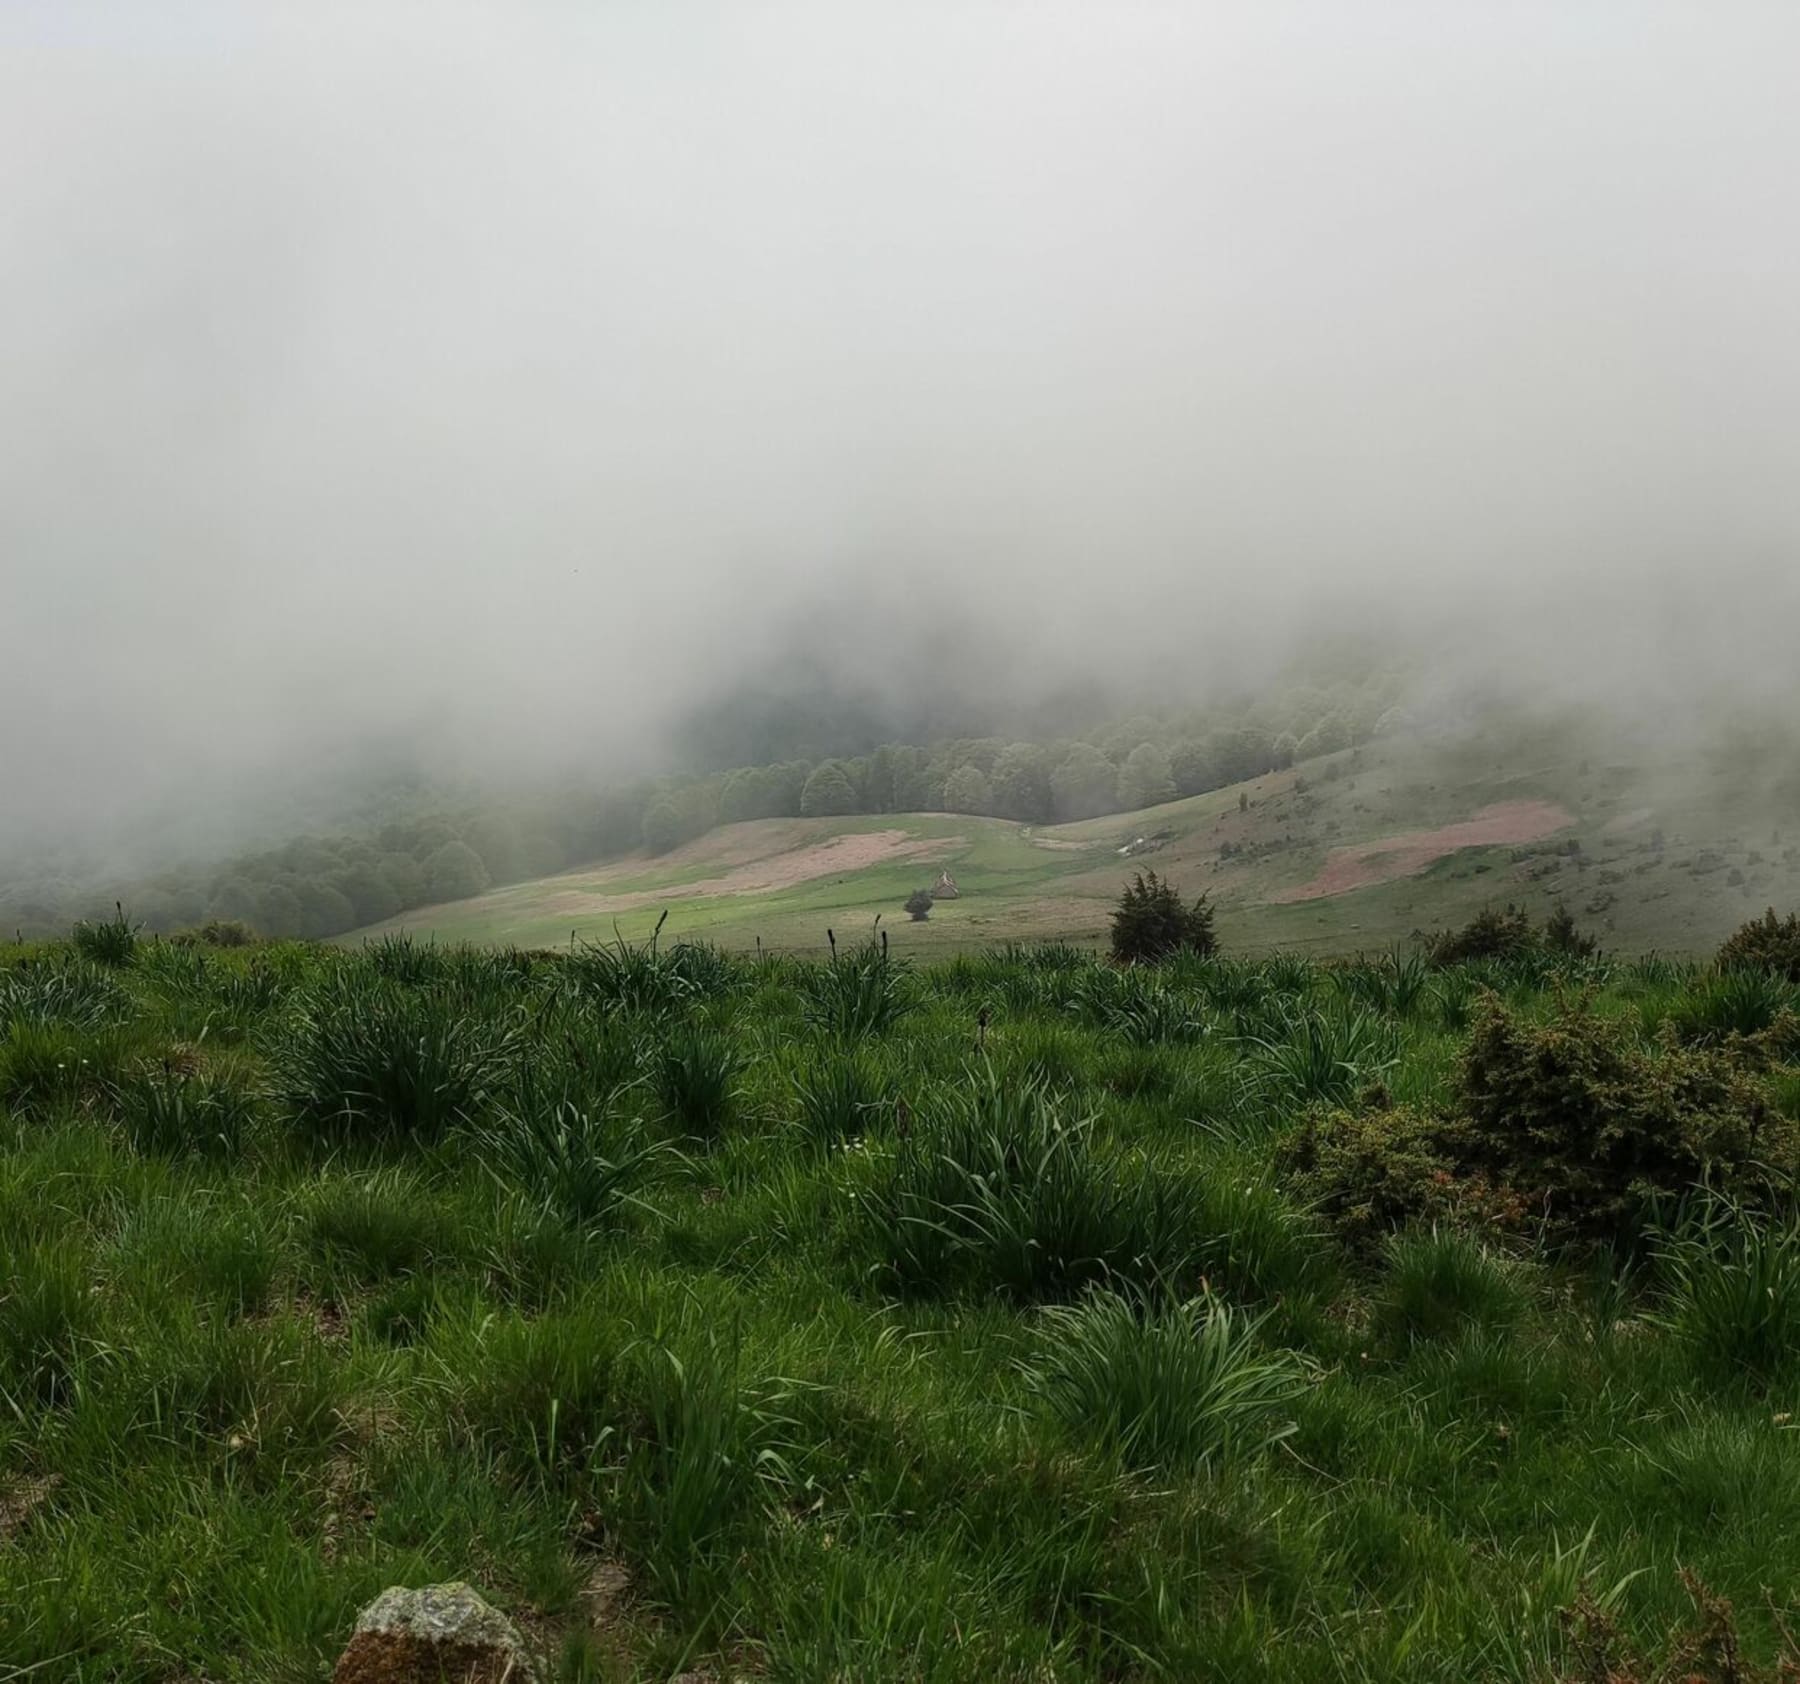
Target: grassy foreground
813, 1321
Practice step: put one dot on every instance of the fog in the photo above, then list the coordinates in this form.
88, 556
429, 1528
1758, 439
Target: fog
510, 379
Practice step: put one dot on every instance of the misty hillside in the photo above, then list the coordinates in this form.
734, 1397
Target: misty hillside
1352, 851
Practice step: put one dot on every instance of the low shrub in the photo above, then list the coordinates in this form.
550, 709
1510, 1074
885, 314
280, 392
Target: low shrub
1370, 1173
1768, 944
1493, 933
1571, 1122
1590, 1125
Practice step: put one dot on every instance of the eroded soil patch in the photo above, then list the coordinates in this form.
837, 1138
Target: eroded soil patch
1358, 866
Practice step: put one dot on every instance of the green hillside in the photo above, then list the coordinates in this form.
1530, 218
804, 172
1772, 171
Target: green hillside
1345, 852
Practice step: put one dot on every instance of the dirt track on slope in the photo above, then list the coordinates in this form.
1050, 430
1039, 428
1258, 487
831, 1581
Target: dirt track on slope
1508, 823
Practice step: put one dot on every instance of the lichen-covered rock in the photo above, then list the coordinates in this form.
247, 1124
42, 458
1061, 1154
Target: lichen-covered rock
437, 1634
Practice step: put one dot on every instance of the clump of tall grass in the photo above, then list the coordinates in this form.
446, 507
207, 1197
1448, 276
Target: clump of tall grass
1397, 984
169, 1110
836, 1097
45, 1064
996, 1192
1138, 1005
401, 959
47, 1316
1325, 1056
366, 1059
110, 941
703, 1454
859, 991
587, 1166
1172, 1386
647, 979
1742, 1002
1439, 1283
698, 1069
261, 1391
72, 994
1734, 1291
217, 1251
376, 1227
177, 970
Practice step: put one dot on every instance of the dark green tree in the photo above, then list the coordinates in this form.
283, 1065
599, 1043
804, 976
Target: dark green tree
454, 872
1085, 785
1151, 923
828, 791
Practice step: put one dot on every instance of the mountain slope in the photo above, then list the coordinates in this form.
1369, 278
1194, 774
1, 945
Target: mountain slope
1352, 851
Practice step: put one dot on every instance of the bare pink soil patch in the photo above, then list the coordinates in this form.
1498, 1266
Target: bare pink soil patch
1506, 824
835, 855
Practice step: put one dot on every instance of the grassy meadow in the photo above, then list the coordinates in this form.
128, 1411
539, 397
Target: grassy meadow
1018, 1317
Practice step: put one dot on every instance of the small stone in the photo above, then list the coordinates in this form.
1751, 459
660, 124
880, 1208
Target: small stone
437, 1634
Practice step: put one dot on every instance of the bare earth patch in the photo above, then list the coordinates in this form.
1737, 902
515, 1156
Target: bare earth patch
1506, 824
834, 856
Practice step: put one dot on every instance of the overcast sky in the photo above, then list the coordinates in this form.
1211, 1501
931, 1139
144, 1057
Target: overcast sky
530, 365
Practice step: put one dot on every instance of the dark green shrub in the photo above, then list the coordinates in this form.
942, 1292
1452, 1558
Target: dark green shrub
1151, 922
226, 932
1768, 944
1372, 1172
1588, 1125
918, 905
1490, 934
1570, 1123
1563, 937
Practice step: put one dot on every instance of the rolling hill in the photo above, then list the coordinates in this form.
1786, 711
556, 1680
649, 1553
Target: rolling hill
1351, 851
